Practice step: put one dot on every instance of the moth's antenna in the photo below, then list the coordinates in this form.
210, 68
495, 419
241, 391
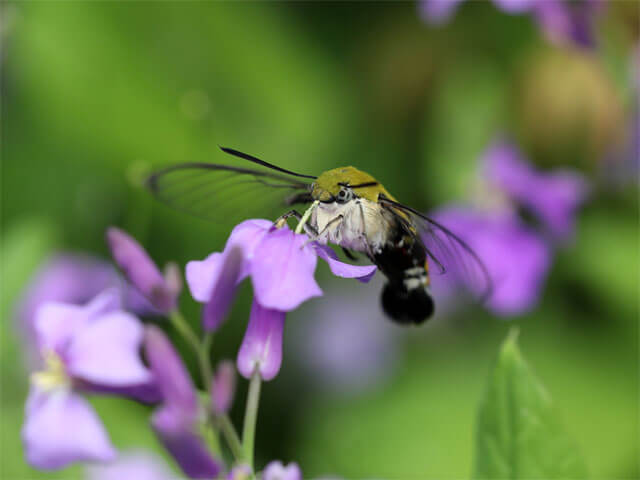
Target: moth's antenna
253, 159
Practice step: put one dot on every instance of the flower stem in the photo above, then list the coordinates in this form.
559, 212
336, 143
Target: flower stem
204, 360
250, 417
231, 436
201, 349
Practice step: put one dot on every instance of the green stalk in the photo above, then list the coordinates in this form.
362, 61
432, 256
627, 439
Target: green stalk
250, 417
201, 350
202, 353
231, 436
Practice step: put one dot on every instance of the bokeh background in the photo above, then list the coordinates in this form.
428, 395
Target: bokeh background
95, 94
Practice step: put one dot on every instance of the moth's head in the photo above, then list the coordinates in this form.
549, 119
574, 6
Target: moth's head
328, 186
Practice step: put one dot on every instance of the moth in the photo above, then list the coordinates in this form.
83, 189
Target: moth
345, 207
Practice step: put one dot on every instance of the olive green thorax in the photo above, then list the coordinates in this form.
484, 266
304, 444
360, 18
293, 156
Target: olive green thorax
329, 183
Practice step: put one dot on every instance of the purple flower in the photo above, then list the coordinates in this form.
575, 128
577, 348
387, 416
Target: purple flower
261, 347
81, 347
561, 20
281, 264
132, 465
143, 274
223, 387
275, 470
75, 279
553, 197
515, 256
177, 421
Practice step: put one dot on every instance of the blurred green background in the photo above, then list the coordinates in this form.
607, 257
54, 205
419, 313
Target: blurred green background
96, 93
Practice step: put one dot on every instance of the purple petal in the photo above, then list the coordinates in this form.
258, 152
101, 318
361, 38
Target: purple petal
106, 352
56, 323
178, 436
517, 259
136, 302
65, 278
282, 270
247, 236
277, 471
202, 275
223, 290
515, 6
557, 200
262, 343
105, 302
506, 168
553, 197
61, 428
130, 466
146, 392
364, 273
223, 387
437, 11
140, 269
564, 21
170, 375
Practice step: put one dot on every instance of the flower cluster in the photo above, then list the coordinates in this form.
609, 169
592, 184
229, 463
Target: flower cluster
88, 340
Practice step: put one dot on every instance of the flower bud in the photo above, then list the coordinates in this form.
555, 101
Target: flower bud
141, 271
223, 387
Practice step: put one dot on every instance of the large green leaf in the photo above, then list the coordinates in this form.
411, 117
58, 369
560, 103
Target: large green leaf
518, 434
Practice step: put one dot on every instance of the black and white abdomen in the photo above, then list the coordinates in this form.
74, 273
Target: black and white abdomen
364, 226
406, 298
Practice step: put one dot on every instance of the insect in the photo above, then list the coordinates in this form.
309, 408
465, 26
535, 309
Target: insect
349, 208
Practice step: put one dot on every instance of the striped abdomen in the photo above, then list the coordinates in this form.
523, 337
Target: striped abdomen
406, 297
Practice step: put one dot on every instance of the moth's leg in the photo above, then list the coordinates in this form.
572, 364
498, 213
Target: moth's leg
282, 219
323, 233
363, 235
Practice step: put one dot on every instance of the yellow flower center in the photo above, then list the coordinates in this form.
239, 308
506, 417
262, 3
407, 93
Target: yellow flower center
53, 375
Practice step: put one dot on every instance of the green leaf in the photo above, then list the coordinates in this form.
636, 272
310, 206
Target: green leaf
518, 434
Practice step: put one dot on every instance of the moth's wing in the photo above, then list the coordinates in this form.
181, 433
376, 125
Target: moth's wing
226, 194
451, 260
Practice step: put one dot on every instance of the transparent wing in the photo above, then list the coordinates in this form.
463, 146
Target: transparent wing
450, 258
223, 193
